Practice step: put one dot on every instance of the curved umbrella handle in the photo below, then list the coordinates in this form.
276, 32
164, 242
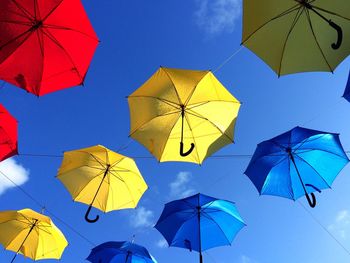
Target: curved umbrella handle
184, 154
312, 200
87, 216
340, 34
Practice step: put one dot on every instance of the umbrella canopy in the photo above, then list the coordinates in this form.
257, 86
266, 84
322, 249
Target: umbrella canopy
31, 234
8, 134
199, 222
120, 252
45, 45
183, 115
297, 36
346, 94
296, 163
101, 178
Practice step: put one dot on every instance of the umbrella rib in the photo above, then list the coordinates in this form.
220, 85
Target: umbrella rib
284, 13
52, 10
172, 82
329, 12
189, 107
302, 159
309, 139
318, 44
194, 89
69, 29
189, 125
16, 22
15, 38
162, 115
322, 150
296, 19
55, 41
212, 219
168, 102
196, 114
82, 189
25, 11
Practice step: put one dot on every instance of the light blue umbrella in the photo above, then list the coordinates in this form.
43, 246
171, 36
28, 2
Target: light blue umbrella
296, 163
199, 222
120, 252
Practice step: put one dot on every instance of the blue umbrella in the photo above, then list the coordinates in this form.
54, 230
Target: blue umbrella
120, 252
199, 222
296, 163
346, 94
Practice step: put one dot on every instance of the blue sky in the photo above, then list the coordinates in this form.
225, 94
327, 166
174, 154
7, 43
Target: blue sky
137, 37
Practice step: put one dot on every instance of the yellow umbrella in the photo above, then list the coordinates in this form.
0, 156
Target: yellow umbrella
101, 178
189, 107
298, 35
31, 234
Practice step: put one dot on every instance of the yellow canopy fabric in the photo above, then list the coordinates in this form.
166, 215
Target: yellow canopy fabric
177, 105
31, 234
102, 178
297, 36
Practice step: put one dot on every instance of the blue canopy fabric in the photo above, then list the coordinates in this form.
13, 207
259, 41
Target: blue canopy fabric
199, 222
346, 94
296, 163
120, 252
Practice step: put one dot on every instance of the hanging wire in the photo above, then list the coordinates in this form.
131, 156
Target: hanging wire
324, 228
47, 210
228, 59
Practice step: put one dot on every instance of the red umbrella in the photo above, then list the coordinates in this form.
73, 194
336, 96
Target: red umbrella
8, 134
45, 45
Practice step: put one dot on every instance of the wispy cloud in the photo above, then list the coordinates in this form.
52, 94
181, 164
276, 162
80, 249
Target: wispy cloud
216, 16
341, 224
181, 187
16, 172
142, 217
162, 243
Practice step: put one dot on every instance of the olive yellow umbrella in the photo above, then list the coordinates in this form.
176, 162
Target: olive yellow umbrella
183, 115
31, 234
102, 179
298, 35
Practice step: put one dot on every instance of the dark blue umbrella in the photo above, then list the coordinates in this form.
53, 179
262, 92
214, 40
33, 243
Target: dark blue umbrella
346, 94
120, 252
296, 163
199, 222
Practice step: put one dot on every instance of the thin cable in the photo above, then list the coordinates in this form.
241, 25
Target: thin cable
329, 108
42, 206
324, 228
228, 59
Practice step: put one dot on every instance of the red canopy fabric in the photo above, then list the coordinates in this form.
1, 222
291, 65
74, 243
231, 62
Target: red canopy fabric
45, 45
8, 134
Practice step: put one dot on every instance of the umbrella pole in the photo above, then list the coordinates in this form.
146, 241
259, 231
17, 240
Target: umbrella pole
199, 234
182, 153
31, 229
93, 200
312, 200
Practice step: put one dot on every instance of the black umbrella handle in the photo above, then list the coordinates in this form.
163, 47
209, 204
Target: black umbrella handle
339, 30
200, 257
87, 216
184, 154
312, 201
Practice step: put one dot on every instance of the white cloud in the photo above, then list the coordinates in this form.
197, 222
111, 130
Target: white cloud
162, 243
216, 16
180, 188
13, 170
341, 224
142, 217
